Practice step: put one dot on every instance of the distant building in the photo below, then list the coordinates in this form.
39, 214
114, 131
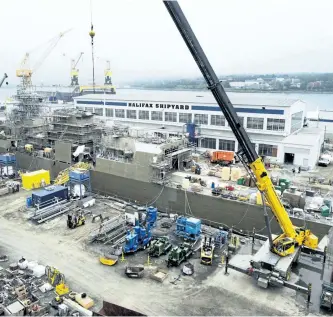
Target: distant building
274, 126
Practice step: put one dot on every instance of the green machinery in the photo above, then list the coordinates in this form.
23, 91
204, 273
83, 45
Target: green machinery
159, 246
179, 254
326, 297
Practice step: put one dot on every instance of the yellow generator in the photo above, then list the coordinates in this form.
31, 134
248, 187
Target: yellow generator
35, 179
207, 251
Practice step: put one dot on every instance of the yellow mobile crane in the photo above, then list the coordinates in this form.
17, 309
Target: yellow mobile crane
74, 71
292, 236
25, 72
277, 256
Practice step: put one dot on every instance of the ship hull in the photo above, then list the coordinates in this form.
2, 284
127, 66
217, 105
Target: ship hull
213, 210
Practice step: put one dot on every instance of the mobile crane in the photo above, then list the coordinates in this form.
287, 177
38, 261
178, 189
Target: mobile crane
74, 71
292, 238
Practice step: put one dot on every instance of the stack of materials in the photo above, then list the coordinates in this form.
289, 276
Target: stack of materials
196, 187
110, 231
314, 203
295, 198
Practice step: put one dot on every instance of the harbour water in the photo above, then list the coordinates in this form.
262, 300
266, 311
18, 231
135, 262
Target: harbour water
313, 101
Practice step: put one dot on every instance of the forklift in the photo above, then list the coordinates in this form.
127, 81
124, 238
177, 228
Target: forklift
207, 251
74, 221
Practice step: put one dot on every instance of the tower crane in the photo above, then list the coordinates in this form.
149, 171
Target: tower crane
292, 238
74, 71
25, 72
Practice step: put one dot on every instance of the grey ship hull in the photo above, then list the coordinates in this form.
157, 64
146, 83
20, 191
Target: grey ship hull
211, 209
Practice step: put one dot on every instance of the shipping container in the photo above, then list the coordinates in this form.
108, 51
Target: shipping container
49, 195
35, 179
222, 156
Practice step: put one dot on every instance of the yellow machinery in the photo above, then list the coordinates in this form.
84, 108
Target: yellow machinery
35, 179
207, 251
29, 148
63, 176
74, 221
74, 71
25, 72
109, 259
292, 237
57, 280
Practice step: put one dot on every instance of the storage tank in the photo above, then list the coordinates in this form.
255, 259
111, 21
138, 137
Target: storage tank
225, 173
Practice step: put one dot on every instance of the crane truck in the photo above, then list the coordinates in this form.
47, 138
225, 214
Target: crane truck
285, 247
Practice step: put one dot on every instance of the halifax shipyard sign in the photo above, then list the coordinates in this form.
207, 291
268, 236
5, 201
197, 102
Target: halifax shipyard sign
158, 106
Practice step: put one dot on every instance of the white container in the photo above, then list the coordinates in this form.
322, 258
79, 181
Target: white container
235, 173
225, 173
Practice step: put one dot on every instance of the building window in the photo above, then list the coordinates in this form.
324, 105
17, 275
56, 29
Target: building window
185, 117
90, 109
98, 111
157, 116
226, 145
217, 120
109, 112
131, 114
120, 113
201, 118
208, 143
296, 121
268, 150
170, 116
143, 115
255, 123
276, 124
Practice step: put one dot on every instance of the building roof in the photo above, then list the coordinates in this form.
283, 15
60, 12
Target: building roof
306, 136
198, 97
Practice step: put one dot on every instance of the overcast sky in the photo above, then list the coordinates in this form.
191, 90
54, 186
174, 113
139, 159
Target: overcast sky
141, 41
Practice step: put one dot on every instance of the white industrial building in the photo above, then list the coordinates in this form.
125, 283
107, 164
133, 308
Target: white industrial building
274, 126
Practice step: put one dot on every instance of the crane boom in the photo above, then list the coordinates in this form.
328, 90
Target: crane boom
291, 237
3, 79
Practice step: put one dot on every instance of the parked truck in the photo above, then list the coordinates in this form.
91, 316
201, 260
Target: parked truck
179, 254
159, 246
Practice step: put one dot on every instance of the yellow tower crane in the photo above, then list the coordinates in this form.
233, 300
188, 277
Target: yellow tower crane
25, 72
107, 74
75, 71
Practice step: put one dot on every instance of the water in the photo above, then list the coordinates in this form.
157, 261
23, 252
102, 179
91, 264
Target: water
313, 101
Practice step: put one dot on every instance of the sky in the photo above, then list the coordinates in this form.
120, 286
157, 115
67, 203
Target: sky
141, 41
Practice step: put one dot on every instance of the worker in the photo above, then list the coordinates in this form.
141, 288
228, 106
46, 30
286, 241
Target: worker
299, 170
293, 170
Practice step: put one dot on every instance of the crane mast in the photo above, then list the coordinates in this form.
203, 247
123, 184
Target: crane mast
291, 237
74, 71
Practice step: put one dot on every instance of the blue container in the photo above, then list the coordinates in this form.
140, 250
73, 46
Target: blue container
7, 158
190, 129
47, 195
29, 202
151, 215
213, 185
79, 175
